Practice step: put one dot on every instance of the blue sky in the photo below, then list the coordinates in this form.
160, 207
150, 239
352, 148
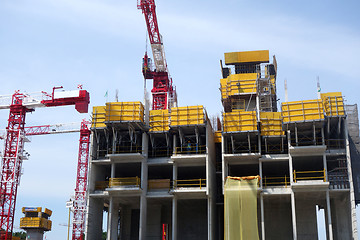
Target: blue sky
100, 44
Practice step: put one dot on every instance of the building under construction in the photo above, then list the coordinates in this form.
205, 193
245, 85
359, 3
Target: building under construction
163, 174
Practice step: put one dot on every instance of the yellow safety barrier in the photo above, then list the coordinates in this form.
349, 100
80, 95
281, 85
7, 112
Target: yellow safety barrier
101, 185
300, 111
273, 181
35, 222
217, 137
159, 120
159, 184
194, 183
98, 117
239, 121
333, 104
190, 115
124, 112
126, 149
310, 175
130, 181
271, 124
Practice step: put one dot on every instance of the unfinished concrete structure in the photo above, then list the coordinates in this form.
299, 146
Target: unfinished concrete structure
155, 178
160, 174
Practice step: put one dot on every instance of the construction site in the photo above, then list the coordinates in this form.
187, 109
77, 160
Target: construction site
151, 169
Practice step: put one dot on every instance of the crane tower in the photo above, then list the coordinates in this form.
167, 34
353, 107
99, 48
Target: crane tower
163, 92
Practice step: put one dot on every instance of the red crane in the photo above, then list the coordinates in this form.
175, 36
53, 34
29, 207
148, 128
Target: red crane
19, 104
163, 92
79, 205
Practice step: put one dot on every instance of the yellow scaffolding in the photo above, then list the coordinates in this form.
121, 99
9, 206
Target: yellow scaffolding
261, 56
98, 117
124, 112
302, 111
271, 124
190, 115
333, 104
239, 121
159, 120
129, 181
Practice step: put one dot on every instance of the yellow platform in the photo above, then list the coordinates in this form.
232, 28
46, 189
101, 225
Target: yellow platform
333, 104
271, 124
190, 115
302, 111
124, 112
237, 84
239, 121
159, 120
261, 56
98, 117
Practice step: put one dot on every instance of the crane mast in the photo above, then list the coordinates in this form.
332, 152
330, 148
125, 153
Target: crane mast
163, 92
19, 104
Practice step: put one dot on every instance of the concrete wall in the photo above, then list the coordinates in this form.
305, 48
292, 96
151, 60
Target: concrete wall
192, 219
94, 219
341, 222
277, 214
306, 220
153, 228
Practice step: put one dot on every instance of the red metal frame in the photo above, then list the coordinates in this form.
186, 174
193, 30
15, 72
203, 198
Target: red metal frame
14, 147
163, 92
81, 183
11, 164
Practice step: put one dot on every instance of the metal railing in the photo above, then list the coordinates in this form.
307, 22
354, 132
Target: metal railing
192, 149
276, 181
310, 175
189, 183
101, 185
129, 181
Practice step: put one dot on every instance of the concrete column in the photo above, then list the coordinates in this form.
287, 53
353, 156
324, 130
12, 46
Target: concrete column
112, 170
351, 183
290, 159
34, 234
110, 221
325, 167
143, 216
126, 226
260, 173
94, 219
174, 218
329, 227
145, 144
262, 216
293, 215
223, 163
175, 171
143, 200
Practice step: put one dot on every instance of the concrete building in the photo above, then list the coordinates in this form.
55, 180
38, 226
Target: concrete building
160, 174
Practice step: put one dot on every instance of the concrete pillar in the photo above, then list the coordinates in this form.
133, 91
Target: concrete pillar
34, 234
325, 167
94, 219
143, 200
126, 223
112, 221
290, 159
174, 218
145, 144
293, 215
262, 216
175, 171
112, 170
351, 183
260, 173
224, 169
329, 227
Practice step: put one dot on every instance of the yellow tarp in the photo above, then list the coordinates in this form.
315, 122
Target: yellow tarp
240, 213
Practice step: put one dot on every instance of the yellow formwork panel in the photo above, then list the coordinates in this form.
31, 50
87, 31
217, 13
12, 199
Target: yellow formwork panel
223, 88
159, 120
48, 211
271, 124
241, 83
217, 137
239, 121
261, 56
35, 222
98, 117
190, 115
333, 103
124, 112
300, 111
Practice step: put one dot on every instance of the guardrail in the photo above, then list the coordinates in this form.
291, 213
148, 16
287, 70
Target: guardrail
191, 149
189, 183
310, 175
101, 185
130, 181
276, 181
